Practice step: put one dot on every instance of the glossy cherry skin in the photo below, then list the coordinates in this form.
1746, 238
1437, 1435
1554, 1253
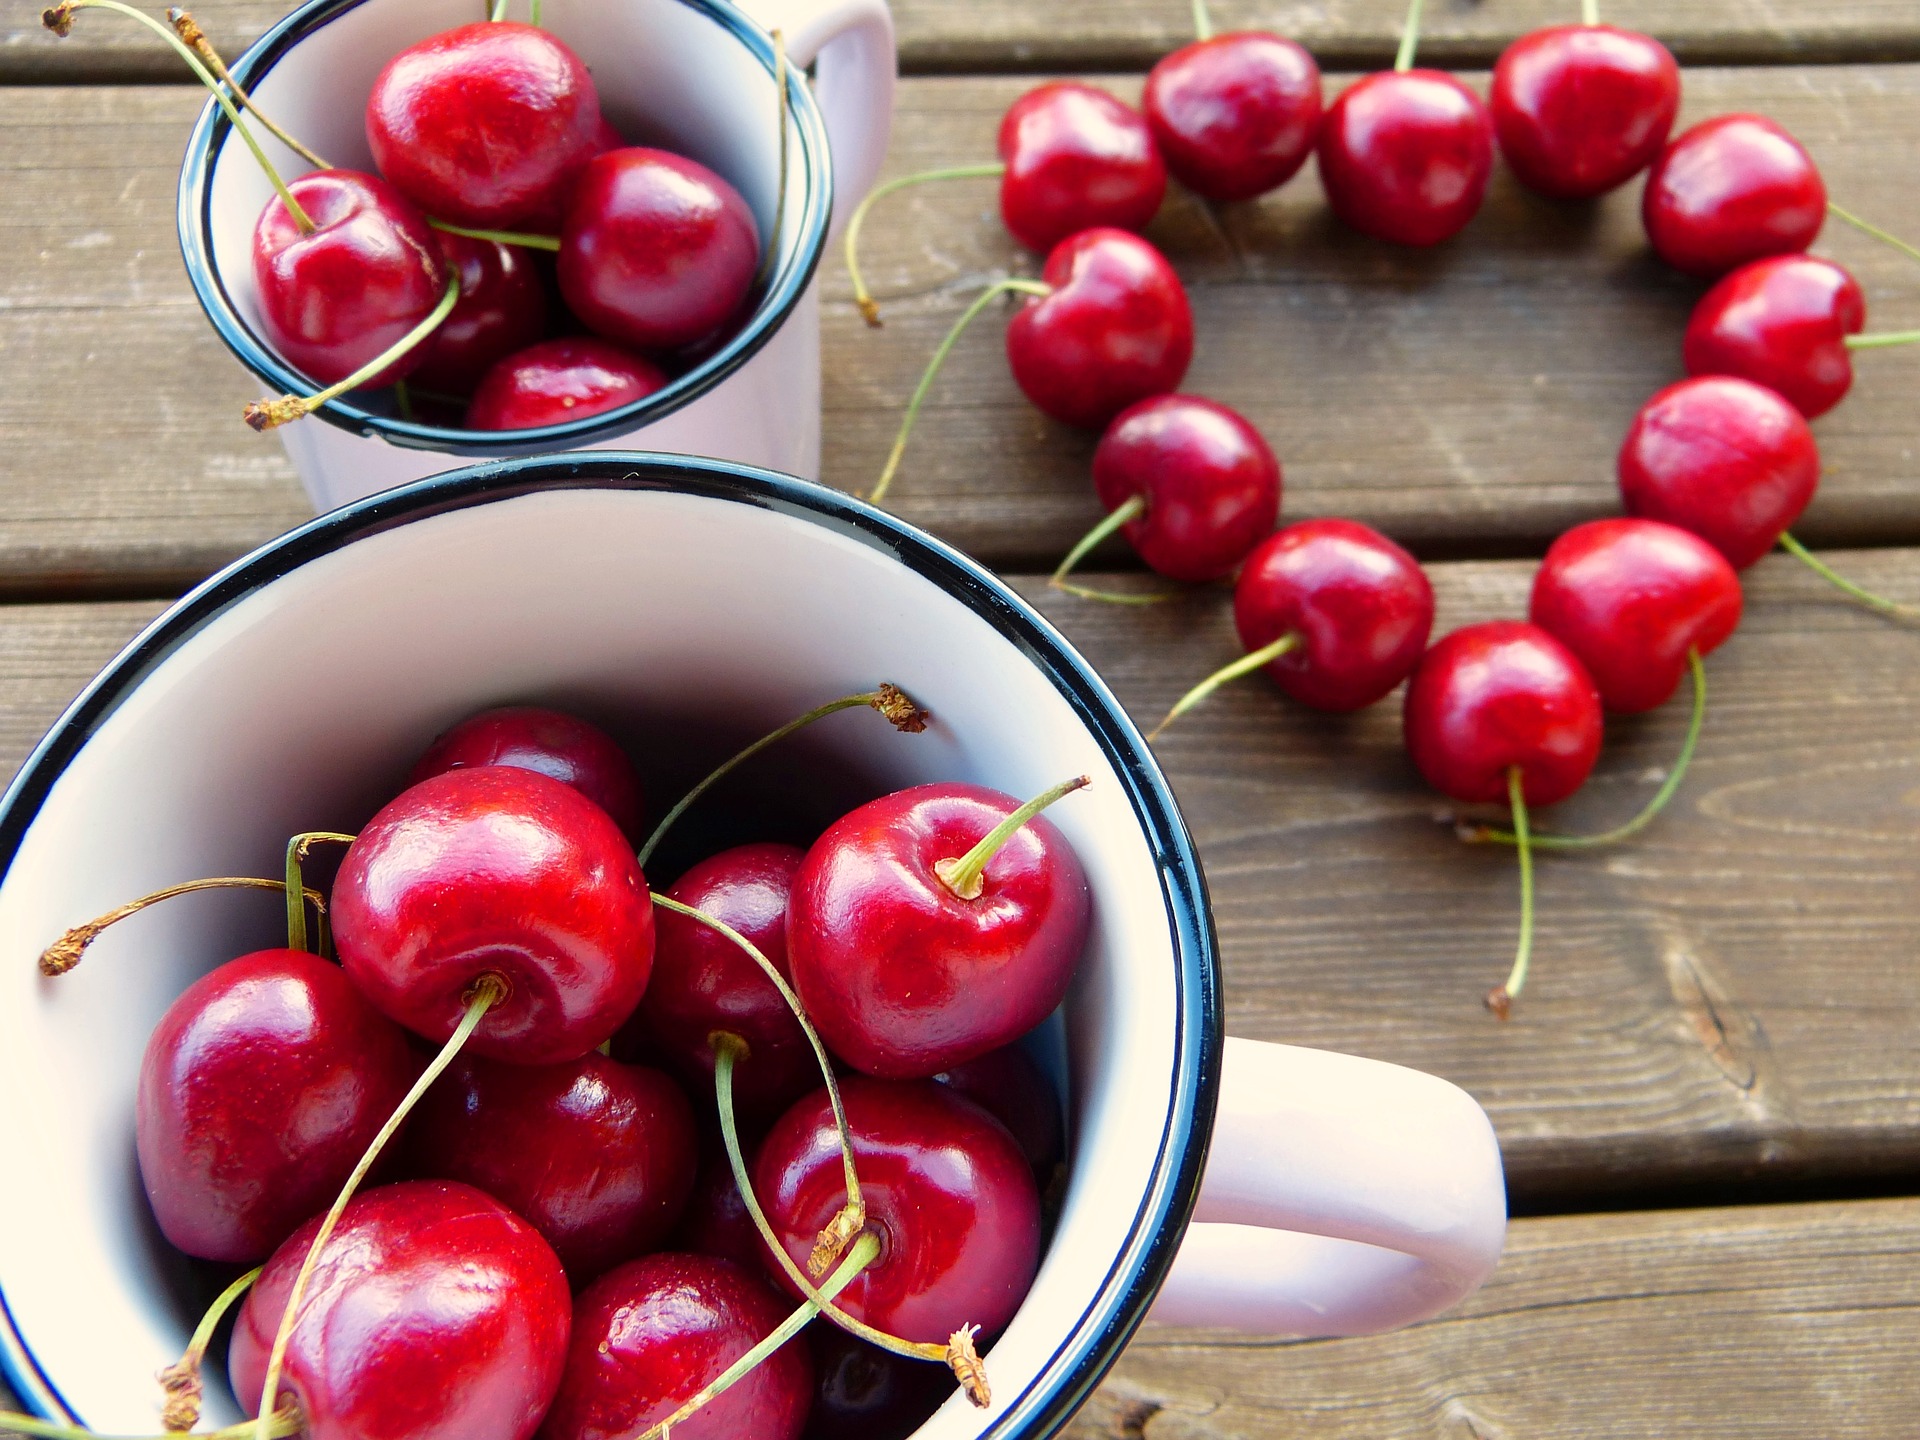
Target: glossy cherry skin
1211, 485
947, 1191
1008, 1085
560, 746
1235, 115
1076, 158
649, 1336
1405, 156
1581, 109
658, 251
560, 380
483, 123
597, 1156
1630, 598
716, 1221
1732, 189
899, 974
1361, 605
260, 1089
1117, 328
1727, 459
495, 870
1781, 322
862, 1392
1496, 695
502, 308
435, 1313
335, 298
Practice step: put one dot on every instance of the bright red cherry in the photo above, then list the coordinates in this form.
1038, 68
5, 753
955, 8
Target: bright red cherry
434, 1313
497, 871
560, 380
1117, 328
1405, 156
502, 308
261, 1087
1009, 1086
1630, 598
862, 1392
1076, 158
947, 1192
560, 746
1732, 189
1727, 459
1783, 323
1491, 697
649, 1336
1234, 115
1580, 109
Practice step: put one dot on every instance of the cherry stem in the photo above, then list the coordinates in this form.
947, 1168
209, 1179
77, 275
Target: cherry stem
67, 952
1409, 37
889, 700
272, 414
501, 237
486, 992
1589, 12
188, 29
288, 1422
780, 193
1864, 227
499, 11
1202, 21
1130, 509
863, 301
181, 1380
1245, 665
533, 14
965, 877
298, 848
403, 400
1880, 341
1500, 1001
1860, 593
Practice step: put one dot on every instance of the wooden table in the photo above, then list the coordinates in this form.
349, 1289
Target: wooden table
1709, 1099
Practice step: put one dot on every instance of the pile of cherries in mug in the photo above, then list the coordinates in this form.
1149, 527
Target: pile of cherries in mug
554, 1242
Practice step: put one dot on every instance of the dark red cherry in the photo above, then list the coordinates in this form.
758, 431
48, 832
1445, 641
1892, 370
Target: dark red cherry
1729, 460
483, 123
1211, 485
1732, 189
1076, 158
336, 297
1580, 109
901, 975
1489, 697
1234, 115
502, 308
261, 1087
862, 1392
560, 746
1630, 598
658, 251
552, 216
1405, 156
434, 1313
947, 1192
1117, 328
495, 870
1008, 1085
649, 1336
1781, 322
560, 380
716, 1221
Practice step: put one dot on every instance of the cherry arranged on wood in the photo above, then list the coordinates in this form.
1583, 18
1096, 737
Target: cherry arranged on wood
553, 743
1581, 109
1405, 156
560, 380
1008, 1085
1732, 189
1234, 115
434, 1313
1781, 322
862, 1392
1076, 158
502, 308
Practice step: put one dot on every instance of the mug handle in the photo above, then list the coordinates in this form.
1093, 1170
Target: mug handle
851, 41
1341, 1197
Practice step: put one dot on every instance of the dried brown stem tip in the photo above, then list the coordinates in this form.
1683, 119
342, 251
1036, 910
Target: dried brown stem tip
831, 1243
1500, 1003
266, 415
968, 1368
900, 711
186, 28
59, 18
181, 1381
869, 311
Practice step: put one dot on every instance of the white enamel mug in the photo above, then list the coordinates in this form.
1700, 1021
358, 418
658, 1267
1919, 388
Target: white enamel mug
709, 602
693, 76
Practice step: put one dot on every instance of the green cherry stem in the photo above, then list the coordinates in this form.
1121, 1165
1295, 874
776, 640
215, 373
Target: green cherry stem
67, 952
180, 1381
1202, 21
864, 302
189, 31
1500, 1000
298, 848
1245, 665
1867, 228
502, 237
499, 11
1589, 12
1409, 37
1129, 510
772, 254
965, 876
1881, 341
1858, 592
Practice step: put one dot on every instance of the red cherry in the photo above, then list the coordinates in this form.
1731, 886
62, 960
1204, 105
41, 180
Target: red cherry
1076, 158
862, 1392
560, 746
1405, 156
261, 1087
901, 975
502, 308
1729, 460
1235, 115
1732, 189
484, 123
335, 297
1781, 322
658, 251
649, 1336
1580, 109
716, 1220
1491, 697
1117, 328
560, 380
947, 1192
434, 1313
1009, 1086
499, 871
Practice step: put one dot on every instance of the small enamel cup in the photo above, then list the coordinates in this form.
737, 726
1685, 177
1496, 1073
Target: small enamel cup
693, 76
704, 600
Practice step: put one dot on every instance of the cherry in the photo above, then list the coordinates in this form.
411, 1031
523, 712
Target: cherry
560, 746
434, 1314
597, 1156
260, 1088
1732, 189
1729, 460
862, 1392
1076, 158
935, 924
502, 308
716, 1220
1009, 1086
1234, 115
1405, 156
560, 380
948, 1193
648, 1336
495, 871
1781, 322
1581, 109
